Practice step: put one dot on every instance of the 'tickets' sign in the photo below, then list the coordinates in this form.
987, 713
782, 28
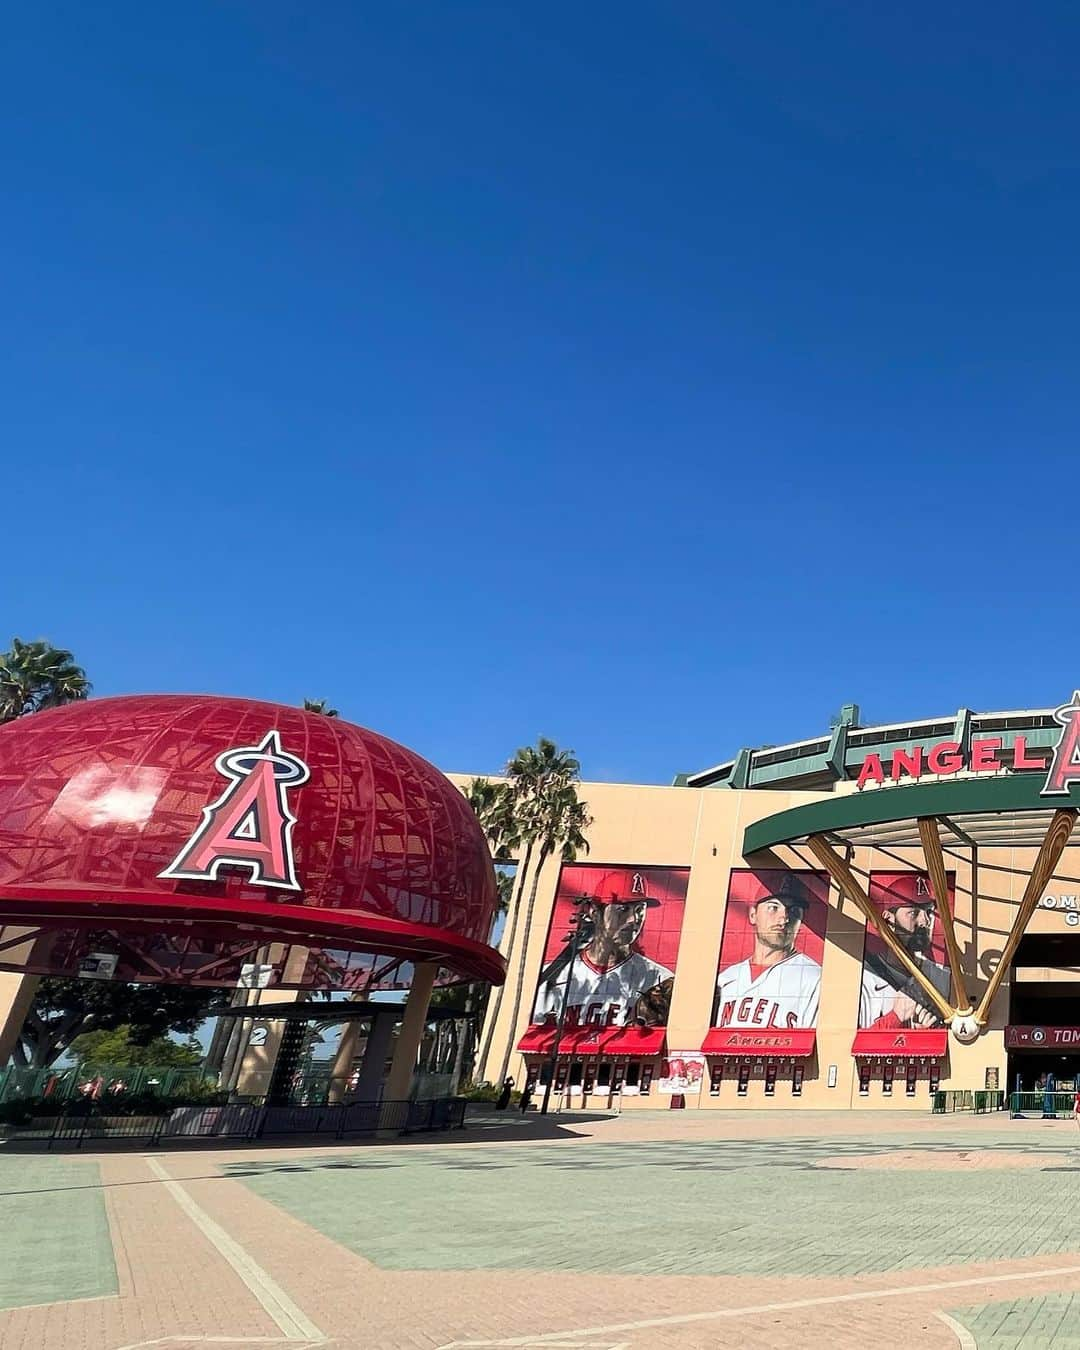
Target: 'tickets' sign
984, 756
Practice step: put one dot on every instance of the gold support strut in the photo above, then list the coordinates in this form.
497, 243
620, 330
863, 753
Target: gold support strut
842, 874
935, 865
1051, 849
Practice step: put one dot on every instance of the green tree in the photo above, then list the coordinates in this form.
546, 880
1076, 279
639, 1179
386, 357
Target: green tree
470, 1000
558, 821
496, 809
118, 1048
320, 705
63, 1010
35, 676
548, 817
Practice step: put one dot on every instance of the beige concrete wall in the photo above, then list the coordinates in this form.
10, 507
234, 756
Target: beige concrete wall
16, 992
703, 830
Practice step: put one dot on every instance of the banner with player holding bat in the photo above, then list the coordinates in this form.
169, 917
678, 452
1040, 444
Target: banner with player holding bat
615, 935
771, 949
889, 997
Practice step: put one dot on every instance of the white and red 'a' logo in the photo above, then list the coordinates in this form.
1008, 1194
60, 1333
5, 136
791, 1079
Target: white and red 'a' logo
250, 825
1065, 765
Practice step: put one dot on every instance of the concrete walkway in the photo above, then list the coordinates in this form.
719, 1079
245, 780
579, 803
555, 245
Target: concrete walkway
689, 1229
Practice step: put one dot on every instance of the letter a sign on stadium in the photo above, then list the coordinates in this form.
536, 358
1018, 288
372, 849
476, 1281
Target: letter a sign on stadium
250, 825
1065, 765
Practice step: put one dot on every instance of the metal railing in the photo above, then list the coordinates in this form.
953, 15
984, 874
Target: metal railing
964, 1099
103, 1080
989, 1100
1052, 1104
75, 1122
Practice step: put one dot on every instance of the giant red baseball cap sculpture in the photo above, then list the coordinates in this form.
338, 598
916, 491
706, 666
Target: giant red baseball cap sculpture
187, 832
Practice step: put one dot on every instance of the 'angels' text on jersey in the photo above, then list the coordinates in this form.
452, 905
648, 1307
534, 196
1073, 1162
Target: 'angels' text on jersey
599, 996
785, 995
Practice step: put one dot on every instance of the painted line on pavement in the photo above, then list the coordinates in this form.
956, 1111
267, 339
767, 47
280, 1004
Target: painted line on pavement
207, 1340
559, 1338
964, 1339
291, 1321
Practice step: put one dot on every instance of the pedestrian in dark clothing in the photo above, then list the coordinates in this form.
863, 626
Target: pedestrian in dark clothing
504, 1096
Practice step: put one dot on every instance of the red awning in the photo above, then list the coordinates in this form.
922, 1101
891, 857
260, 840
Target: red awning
634, 1041
537, 1040
921, 1044
583, 1041
744, 1041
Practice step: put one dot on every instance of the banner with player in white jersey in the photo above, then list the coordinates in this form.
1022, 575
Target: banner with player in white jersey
769, 973
889, 998
614, 935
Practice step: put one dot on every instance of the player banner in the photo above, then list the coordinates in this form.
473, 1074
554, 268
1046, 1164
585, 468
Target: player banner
771, 949
890, 998
681, 1073
612, 946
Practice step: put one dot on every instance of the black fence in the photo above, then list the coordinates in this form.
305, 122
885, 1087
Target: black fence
79, 1123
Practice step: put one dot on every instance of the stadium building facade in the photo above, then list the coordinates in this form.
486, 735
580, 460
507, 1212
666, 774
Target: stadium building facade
855, 920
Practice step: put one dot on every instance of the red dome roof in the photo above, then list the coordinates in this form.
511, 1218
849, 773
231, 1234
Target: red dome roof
99, 799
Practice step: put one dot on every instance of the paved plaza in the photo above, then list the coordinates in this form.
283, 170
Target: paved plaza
658, 1229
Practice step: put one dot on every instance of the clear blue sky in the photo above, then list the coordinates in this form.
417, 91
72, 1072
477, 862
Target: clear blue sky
653, 377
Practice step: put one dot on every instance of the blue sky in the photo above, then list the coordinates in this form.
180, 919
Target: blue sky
656, 378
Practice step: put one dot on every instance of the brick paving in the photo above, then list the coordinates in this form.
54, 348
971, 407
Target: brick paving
648, 1230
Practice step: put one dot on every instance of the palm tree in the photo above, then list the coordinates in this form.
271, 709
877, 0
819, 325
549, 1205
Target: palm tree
473, 997
494, 809
493, 804
563, 824
540, 799
320, 705
35, 676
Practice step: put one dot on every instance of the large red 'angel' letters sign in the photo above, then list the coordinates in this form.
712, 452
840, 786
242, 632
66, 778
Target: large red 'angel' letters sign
250, 825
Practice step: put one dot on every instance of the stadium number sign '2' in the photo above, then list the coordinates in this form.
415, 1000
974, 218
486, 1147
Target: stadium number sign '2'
945, 757
250, 825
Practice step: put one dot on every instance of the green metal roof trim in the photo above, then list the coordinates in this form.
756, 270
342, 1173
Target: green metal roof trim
964, 796
844, 753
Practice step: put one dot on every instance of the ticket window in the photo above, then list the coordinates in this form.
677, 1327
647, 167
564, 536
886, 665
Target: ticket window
887, 1072
716, 1076
744, 1080
647, 1071
770, 1078
531, 1073
603, 1075
560, 1075
797, 1072
911, 1079
588, 1078
864, 1078
935, 1075
633, 1070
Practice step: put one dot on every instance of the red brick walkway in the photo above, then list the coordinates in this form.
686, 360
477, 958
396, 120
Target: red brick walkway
271, 1278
